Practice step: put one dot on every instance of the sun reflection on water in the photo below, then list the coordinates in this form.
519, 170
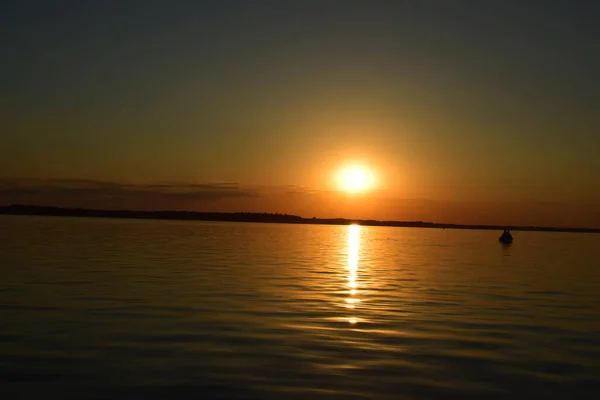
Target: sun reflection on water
353, 247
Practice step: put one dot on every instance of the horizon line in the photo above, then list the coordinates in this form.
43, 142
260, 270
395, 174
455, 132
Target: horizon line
263, 217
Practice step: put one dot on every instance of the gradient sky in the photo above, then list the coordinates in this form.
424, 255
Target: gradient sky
469, 111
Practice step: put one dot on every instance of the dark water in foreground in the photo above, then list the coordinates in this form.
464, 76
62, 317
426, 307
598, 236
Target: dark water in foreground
93, 308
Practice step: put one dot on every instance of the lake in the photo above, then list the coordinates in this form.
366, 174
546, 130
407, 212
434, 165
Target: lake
143, 309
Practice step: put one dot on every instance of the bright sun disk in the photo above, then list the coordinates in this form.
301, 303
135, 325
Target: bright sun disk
355, 178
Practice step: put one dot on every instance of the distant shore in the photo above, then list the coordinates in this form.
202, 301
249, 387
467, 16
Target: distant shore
17, 209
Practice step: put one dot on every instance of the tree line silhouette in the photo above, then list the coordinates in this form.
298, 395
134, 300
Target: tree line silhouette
19, 209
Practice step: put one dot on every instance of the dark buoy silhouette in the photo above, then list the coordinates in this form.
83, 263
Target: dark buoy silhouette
506, 237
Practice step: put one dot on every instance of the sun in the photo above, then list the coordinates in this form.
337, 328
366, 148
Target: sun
355, 178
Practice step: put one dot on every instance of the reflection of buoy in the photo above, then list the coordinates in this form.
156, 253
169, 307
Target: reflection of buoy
506, 237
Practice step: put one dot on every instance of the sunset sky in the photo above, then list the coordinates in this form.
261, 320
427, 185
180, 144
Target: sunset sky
464, 111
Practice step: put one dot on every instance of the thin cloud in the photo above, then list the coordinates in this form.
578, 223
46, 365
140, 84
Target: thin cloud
66, 188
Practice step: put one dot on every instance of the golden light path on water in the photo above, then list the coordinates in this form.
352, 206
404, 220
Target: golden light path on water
353, 257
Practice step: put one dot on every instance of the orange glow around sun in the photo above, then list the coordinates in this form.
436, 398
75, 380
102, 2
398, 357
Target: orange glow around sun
355, 178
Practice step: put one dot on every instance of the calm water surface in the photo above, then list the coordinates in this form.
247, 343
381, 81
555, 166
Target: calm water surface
99, 308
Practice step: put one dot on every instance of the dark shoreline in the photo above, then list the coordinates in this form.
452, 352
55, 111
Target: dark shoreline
257, 217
